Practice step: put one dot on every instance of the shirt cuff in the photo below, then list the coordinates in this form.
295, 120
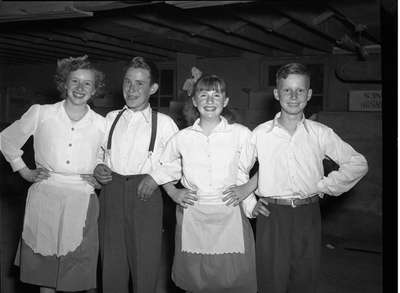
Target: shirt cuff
160, 177
17, 164
322, 187
248, 205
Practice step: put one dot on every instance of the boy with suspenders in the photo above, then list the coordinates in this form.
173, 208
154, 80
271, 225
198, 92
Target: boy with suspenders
130, 226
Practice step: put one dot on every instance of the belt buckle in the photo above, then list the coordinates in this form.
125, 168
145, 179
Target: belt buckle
292, 203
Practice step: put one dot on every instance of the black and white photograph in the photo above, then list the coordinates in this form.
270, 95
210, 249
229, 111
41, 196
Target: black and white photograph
198, 146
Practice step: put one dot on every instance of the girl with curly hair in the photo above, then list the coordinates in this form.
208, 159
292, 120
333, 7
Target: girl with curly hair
59, 245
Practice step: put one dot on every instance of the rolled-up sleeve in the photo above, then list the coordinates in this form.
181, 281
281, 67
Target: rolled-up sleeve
169, 167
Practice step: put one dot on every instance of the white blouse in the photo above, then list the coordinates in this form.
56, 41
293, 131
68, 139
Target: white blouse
206, 164
60, 145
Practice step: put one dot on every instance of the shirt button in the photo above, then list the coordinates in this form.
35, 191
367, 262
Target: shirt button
70, 144
72, 129
67, 161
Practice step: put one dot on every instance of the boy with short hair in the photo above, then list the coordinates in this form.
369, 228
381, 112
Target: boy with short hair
130, 223
290, 150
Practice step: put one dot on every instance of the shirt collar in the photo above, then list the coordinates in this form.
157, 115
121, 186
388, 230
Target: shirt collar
87, 118
146, 112
223, 126
275, 123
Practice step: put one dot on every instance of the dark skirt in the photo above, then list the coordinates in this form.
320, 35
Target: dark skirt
75, 271
228, 272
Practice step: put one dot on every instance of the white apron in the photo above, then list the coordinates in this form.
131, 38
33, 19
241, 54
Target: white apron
211, 227
55, 214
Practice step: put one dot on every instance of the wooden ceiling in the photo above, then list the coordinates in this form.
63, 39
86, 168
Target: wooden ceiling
43, 31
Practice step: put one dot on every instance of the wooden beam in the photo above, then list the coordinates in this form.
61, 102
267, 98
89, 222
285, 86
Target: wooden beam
40, 40
109, 44
274, 30
89, 47
245, 32
199, 46
180, 23
42, 48
14, 11
303, 18
342, 12
108, 37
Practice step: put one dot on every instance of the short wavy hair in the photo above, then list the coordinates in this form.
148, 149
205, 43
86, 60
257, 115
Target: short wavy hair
292, 68
144, 63
67, 65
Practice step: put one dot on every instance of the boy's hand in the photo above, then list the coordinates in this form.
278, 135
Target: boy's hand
183, 197
35, 175
146, 187
261, 208
91, 180
235, 194
102, 173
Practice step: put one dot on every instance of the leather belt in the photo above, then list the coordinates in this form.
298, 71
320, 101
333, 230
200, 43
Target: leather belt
292, 201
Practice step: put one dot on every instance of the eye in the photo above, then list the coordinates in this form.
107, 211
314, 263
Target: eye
217, 96
202, 95
73, 80
88, 84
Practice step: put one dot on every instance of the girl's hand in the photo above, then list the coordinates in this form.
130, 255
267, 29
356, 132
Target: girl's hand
261, 208
35, 175
183, 197
235, 194
91, 180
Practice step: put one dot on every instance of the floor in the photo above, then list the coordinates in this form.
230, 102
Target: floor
347, 266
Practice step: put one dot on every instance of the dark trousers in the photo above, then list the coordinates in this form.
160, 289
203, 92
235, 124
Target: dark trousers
130, 236
288, 247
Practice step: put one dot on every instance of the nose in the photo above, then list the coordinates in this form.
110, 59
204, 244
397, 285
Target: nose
293, 95
132, 88
80, 86
209, 99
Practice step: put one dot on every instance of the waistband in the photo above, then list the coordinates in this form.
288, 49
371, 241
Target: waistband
292, 201
126, 177
65, 177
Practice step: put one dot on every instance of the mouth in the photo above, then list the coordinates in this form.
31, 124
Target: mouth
78, 95
210, 108
132, 97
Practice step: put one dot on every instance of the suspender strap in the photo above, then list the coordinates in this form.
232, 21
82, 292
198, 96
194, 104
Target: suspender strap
153, 131
112, 129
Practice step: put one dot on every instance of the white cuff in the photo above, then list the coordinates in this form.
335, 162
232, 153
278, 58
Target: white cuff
17, 164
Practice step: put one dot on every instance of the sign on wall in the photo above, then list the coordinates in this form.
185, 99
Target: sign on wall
365, 100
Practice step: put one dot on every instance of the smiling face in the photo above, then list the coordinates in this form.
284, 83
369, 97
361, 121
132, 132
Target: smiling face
137, 88
80, 86
293, 93
210, 103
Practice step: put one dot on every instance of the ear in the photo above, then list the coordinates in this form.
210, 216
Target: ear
194, 102
153, 88
226, 101
309, 94
276, 94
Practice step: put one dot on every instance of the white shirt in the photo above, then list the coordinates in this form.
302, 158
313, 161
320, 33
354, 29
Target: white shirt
131, 138
206, 164
290, 164
60, 145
